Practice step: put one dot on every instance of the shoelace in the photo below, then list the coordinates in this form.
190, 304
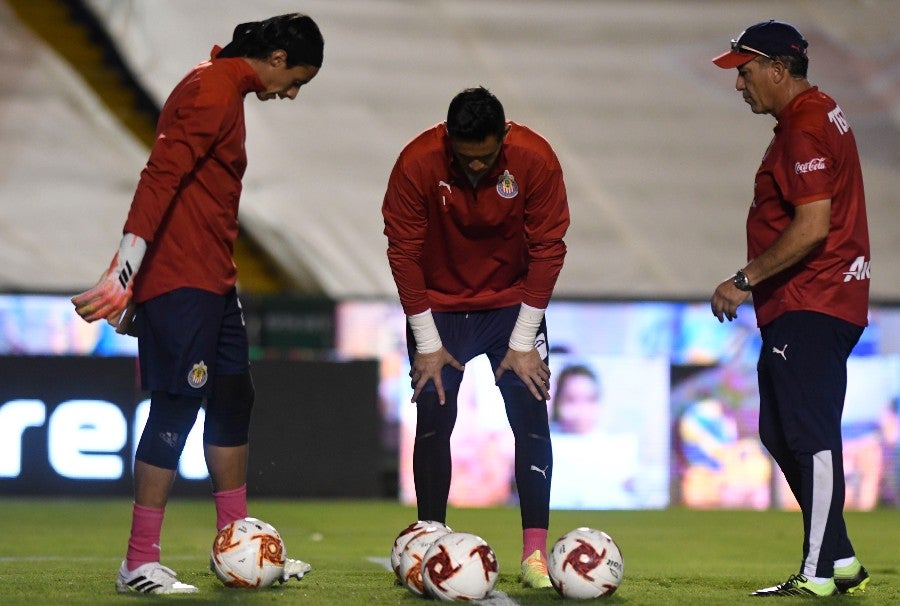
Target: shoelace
793, 580
537, 563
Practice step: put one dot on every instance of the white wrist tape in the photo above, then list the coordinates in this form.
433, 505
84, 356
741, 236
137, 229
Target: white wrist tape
525, 331
425, 332
128, 260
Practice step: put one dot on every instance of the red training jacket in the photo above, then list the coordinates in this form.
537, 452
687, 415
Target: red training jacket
186, 202
455, 247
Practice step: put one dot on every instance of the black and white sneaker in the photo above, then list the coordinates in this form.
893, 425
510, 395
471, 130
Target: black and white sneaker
151, 577
798, 585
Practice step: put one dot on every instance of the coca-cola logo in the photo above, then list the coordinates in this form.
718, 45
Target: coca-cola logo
809, 166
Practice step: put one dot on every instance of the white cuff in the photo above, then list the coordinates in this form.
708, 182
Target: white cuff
525, 331
425, 332
128, 260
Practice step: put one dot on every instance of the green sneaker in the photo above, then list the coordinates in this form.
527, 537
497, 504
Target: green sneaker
798, 585
851, 578
534, 571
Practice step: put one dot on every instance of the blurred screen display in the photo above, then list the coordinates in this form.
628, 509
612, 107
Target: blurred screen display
47, 325
671, 399
653, 403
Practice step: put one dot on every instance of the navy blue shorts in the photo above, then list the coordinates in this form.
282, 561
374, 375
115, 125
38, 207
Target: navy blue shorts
469, 334
188, 336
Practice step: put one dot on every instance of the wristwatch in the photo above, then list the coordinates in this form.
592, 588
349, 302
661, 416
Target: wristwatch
740, 280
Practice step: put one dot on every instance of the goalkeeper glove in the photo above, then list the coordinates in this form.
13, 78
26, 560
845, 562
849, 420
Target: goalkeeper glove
111, 297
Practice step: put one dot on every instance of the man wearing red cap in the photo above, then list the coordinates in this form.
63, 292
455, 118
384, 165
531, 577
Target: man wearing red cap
808, 270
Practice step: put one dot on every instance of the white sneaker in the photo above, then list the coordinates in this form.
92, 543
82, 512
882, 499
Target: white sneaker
151, 577
294, 568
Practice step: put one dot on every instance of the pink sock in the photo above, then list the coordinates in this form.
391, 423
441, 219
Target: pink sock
231, 505
534, 539
143, 544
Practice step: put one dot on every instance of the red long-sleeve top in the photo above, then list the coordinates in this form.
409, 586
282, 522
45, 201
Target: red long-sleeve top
455, 247
186, 202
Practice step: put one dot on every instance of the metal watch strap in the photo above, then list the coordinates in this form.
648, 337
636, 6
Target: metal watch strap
740, 280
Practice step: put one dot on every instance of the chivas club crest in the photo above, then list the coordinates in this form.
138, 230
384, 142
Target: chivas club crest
198, 375
507, 186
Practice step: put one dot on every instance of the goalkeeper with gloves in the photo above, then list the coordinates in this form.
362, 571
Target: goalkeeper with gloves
172, 282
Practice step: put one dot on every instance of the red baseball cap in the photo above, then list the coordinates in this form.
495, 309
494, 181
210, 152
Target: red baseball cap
768, 39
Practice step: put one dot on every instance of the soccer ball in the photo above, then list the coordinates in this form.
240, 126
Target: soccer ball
459, 566
405, 536
585, 563
412, 555
249, 554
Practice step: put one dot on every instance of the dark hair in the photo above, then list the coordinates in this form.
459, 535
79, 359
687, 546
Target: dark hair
796, 66
575, 370
296, 34
474, 115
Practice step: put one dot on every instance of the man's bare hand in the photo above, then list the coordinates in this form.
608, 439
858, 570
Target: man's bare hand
529, 367
428, 367
726, 300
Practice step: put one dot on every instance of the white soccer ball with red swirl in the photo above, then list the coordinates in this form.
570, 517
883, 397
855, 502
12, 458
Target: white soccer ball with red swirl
248, 554
412, 555
459, 566
585, 563
406, 535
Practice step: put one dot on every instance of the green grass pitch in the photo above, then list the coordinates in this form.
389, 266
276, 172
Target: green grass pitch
66, 551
